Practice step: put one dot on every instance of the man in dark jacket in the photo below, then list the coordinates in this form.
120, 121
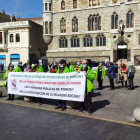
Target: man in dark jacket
131, 71
45, 67
111, 76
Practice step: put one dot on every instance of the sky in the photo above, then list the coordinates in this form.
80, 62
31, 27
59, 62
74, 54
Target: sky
27, 8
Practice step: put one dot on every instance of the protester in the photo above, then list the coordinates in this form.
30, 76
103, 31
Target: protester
45, 67
54, 70
119, 67
51, 66
19, 68
5, 74
107, 64
131, 71
10, 69
123, 75
28, 68
62, 69
25, 65
70, 66
36, 68
116, 72
90, 76
111, 75
79, 65
100, 74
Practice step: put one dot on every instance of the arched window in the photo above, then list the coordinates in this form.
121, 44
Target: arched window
74, 4
100, 40
0, 37
130, 19
75, 41
63, 42
63, 5
11, 38
94, 22
17, 38
114, 1
88, 41
63, 25
114, 21
74, 24
94, 2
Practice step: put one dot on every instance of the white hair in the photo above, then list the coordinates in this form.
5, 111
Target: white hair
85, 60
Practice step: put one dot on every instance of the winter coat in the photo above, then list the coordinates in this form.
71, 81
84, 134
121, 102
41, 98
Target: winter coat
4, 77
103, 73
17, 69
71, 68
90, 78
132, 68
111, 72
66, 70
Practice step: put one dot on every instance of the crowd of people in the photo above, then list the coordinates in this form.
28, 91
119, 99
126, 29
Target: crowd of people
111, 70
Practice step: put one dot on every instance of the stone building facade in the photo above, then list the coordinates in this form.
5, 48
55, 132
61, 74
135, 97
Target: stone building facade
21, 41
94, 25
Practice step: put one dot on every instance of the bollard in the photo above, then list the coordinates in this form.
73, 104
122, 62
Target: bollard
136, 114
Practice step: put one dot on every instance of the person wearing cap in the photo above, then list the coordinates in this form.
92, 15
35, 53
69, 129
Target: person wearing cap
131, 71
62, 69
90, 77
70, 66
10, 69
79, 65
19, 68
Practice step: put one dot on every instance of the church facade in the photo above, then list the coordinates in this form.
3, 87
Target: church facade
90, 29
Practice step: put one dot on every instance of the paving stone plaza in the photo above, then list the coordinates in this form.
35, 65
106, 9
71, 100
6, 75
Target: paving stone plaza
118, 104
112, 117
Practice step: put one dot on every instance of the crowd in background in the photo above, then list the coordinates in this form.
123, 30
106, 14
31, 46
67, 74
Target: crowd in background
119, 72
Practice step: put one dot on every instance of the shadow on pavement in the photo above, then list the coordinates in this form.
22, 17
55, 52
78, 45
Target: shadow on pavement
96, 94
99, 105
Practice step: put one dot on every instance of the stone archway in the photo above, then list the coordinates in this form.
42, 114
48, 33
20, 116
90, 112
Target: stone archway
121, 51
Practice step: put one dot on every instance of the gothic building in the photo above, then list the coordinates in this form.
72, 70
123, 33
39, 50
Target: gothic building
99, 30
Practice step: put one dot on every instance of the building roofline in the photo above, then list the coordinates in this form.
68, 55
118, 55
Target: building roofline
25, 19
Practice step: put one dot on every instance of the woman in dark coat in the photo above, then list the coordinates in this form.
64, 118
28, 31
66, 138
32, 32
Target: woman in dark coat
111, 75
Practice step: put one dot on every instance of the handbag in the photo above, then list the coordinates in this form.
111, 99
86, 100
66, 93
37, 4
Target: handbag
131, 75
121, 77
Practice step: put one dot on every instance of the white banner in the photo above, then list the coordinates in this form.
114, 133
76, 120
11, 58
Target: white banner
67, 86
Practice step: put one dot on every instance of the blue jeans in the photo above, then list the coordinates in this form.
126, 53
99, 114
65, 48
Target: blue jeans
62, 103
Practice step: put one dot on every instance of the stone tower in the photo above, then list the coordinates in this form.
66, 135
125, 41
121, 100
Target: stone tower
47, 21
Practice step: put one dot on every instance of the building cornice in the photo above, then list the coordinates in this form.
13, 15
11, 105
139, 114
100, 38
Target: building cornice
95, 7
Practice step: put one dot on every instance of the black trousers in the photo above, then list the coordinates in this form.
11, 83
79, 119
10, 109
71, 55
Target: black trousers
100, 83
111, 83
39, 99
11, 96
89, 102
131, 84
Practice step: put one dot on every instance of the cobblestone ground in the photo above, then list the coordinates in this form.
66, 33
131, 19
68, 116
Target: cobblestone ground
24, 123
116, 105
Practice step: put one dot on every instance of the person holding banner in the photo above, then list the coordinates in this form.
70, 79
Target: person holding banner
10, 69
36, 68
19, 68
62, 69
79, 65
70, 66
90, 77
